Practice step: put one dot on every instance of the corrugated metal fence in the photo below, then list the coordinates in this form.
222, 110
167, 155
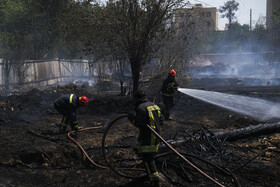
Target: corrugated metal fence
42, 73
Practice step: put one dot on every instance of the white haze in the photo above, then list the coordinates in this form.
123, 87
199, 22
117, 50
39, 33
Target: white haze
256, 108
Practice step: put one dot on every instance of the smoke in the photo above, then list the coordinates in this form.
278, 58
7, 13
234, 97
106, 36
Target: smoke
84, 82
252, 69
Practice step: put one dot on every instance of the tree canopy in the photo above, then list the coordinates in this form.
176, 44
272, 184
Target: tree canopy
228, 10
29, 28
135, 31
137, 28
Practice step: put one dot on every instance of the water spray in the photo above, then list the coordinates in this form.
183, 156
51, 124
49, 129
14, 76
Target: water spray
254, 107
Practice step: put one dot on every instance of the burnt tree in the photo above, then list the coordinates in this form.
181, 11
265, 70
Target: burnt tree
137, 27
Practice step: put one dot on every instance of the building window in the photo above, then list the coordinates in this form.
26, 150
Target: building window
208, 14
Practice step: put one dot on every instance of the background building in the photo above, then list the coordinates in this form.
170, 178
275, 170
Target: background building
205, 18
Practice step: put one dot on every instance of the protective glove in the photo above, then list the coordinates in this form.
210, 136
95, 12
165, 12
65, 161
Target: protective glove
131, 116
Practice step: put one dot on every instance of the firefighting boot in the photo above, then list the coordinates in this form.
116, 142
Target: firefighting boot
76, 128
161, 181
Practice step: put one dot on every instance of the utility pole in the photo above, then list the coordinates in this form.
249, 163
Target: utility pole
250, 30
250, 19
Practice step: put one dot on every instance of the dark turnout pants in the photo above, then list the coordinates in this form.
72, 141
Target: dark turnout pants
150, 165
65, 119
168, 105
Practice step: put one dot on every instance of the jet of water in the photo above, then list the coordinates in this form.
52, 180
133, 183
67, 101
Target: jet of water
256, 108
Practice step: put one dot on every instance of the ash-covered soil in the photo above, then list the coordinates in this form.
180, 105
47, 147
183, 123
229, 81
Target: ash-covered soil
33, 153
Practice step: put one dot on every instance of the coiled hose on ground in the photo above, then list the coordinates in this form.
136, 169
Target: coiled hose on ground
116, 170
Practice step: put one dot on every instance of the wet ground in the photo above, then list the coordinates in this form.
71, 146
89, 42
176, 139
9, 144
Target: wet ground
33, 153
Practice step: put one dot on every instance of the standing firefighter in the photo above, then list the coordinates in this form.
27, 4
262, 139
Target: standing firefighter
168, 87
147, 113
67, 105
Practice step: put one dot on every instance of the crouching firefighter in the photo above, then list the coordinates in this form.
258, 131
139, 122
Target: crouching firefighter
147, 113
67, 105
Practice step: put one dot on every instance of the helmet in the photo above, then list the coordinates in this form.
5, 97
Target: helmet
172, 72
83, 101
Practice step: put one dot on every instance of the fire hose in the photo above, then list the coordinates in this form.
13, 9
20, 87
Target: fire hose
135, 169
79, 145
104, 152
103, 149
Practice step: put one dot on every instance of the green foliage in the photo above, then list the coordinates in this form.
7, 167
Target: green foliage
240, 32
131, 30
276, 19
275, 31
276, 15
238, 39
28, 28
212, 42
11, 27
229, 9
126, 29
136, 27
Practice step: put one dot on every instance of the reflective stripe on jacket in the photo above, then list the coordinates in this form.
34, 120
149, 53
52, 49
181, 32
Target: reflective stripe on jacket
68, 104
71, 98
169, 85
148, 113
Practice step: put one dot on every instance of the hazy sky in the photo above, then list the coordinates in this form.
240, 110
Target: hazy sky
243, 14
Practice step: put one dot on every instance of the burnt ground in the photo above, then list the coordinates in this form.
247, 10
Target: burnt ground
33, 153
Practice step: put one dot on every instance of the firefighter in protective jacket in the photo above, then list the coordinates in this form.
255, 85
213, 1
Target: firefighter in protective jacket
168, 88
147, 113
67, 105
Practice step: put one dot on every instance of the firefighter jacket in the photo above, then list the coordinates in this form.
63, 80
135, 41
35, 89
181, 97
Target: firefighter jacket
169, 86
67, 105
147, 113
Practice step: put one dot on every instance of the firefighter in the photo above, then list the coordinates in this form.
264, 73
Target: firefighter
168, 88
67, 105
147, 113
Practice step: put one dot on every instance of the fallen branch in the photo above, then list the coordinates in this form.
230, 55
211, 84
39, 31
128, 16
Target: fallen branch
236, 134
249, 161
250, 131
